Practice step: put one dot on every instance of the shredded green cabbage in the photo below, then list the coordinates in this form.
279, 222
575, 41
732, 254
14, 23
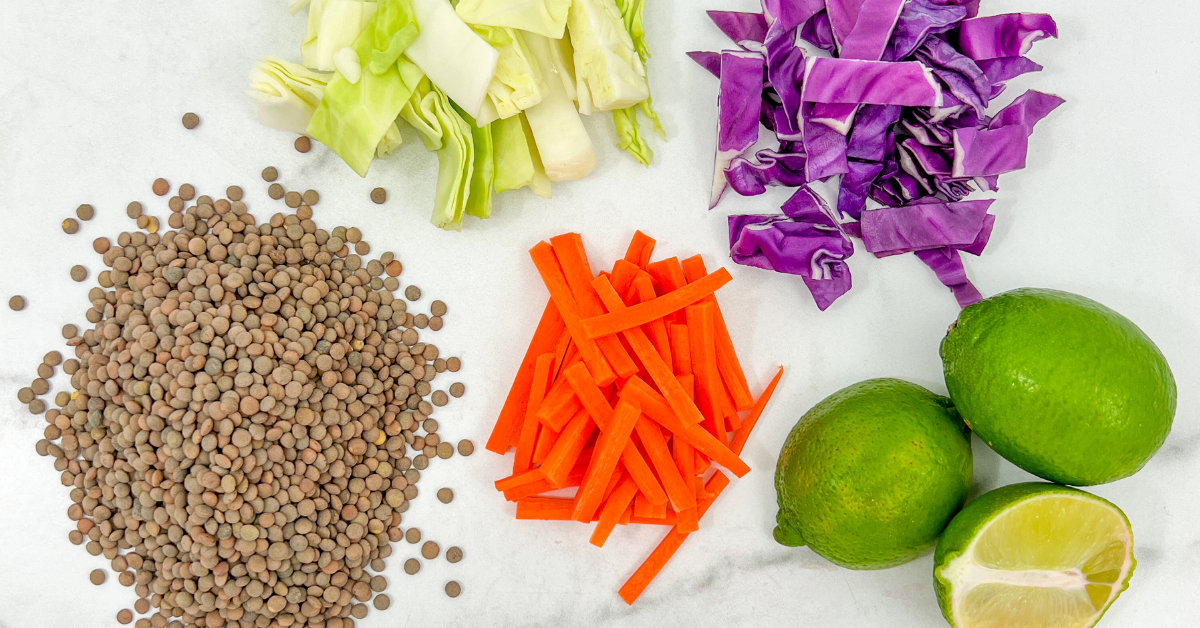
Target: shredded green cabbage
608, 71
518, 83
562, 141
286, 93
455, 59
629, 137
341, 23
447, 133
514, 164
483, 169
544, 17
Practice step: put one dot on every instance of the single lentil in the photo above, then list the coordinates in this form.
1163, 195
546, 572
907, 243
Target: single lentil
454, 554
412, 566
190, 120
70, 226
453, 589
270, 173
303, 144
445, 495
160, 187
85, 212
379, 196
465, 447
78, 273
16, 303
430, 550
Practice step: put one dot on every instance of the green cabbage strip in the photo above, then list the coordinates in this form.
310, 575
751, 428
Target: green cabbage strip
518, 83
544, 17
609, 73
354, 118
629, 137
483, 168
513, 162
447, 133
286, 93
541, 181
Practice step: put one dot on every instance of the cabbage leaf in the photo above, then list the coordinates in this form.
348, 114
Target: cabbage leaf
609, 73
456, 60
518, 83
547, 18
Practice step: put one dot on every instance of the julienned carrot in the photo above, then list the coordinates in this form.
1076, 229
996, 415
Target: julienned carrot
519, 479
545, 508
685, 460
566, 450
654, 406
572, 258
623, 275
656, 329
739, 439
508, 426
704, 365
641, 247
681, 354
667, 548
668, 519
572, 479
677, 489
624, 520
643, 313
529, 429
545, 440
559, 405
560, 293
589, 394
642, 475
668, 276
642, 347
727, 360
604, 460
611, 513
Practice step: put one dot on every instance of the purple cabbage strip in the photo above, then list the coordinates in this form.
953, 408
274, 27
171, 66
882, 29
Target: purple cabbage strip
808, 206
739, 105
983, 152
826, 150
819, 32
815, 252
785, 69
790, 14
920, 226
918, 20
964, 78
1026, 110
741, 27
710, 61
948, 266
773, 168
871, 32
1003, 69
1009, 35
931, 160
853, 81
869, 138
856, 186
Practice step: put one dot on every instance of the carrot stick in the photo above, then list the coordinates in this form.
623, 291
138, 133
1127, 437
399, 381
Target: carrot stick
567, 448
656, 329
624, 520
704, 365
559, 406
519, 479
659, 371
589, 394
641, 506
643, 313
604, 461
613, 509
560, 293
685, 460
547, 436
739, 439
640, 249
727, 360
652, 405
681, 353
623, 275
537, 392
518, 493
572, 257
564, 351
689, 384
667, 548
677, 489
668, 276
668, 519
508, 424
545, 508
637, 468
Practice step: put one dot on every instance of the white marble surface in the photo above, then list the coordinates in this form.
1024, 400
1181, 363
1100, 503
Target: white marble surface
90, 100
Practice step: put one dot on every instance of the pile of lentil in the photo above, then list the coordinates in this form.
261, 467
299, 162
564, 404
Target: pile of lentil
252, 409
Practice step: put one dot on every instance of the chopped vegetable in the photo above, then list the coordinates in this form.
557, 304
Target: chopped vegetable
608, 71
547, 18
562, 141
899, 110
286, 94
637, 454
459, 62
518, 83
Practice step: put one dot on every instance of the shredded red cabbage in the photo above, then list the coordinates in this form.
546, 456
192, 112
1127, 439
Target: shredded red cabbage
898, 111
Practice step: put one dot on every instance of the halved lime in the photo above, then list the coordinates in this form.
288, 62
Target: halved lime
1033, 555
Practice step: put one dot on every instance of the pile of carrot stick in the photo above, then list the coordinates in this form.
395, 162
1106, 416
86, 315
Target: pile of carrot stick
631, 393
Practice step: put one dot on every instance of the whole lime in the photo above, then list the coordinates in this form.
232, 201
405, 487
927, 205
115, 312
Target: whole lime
869, 477
1034, 554
1060, 385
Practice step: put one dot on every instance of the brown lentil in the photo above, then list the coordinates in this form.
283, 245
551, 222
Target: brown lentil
303, 144
101, 245
160, 187
275, 191
85, 212
412, 566
37, 406
190, 120
269, 174
69, 331
362, 248
453, 589
445, 495
292, 199
25, 395
439, 398
233, 193
430, 550
382, 602
124, 616
78, 273
134, 209
413, 536
310, 197
412, 293
445, 451
379, 196
98, 577
16, 303
453, 364
465, 447
187, 191
70, 226
142, 606
40, 386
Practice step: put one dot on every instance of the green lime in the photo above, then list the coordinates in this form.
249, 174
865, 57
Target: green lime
1033, 555
1060, 385
869, 477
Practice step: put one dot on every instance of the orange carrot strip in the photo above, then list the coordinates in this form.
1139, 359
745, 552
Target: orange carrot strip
727, 360
689, 385
668, 276
656, 329
518, 493
560, 292
667, 548
563, 351
545, 508
508, 424
547, 436
604, 461
519, 479
589, 394
660, 511
623, 275
739, 439
642, 475
572, 257
654, 406
704, 365
641, 247
685, 460
537, 392
642, 313
559, 406
567, 448
613, 509
681, 354
668, 519
624, 520
659, 371
677, 489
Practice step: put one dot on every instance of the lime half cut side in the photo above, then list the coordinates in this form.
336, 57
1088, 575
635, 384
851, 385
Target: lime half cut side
1033, 555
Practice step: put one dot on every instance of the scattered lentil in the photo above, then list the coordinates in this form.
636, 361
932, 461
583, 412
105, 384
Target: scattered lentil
160, 187
436, 323
362, 248
25, 395
70, 225
412, 293
453, 364
275, 191
454, 554
445, 451
430, 550
437, 308
17, 303
292, 199
101, 245
69, 331
52, 358
124, 616
40, 386
413, 536
379, 196
233, 193
190, 120
445, 495
85, 212
134, 209
187, 191
98, 577
270, 173
78, 273
142, 606
311, 197
37, 406
457, 389
453, 588
412, 566
465, 447
303, 144
382, 602
394, 268
439, 398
